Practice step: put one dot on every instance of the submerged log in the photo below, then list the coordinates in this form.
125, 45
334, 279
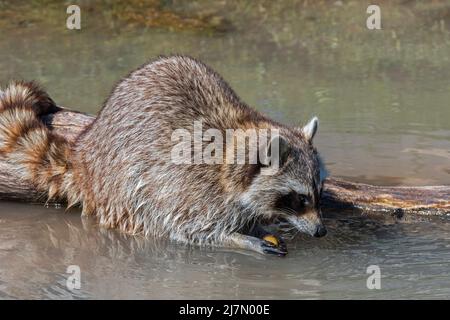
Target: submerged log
397, 201
338, 194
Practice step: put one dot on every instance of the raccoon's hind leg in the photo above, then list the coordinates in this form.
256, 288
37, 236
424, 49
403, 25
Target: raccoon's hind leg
247, 242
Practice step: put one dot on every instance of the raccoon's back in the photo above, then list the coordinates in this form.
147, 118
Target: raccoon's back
129, 145
175, 91
139, 117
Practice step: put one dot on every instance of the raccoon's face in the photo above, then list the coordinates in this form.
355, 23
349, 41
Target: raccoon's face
298, 199
293, 191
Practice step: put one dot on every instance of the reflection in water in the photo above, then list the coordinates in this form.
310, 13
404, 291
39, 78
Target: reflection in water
382, 99
433, 152
38, 244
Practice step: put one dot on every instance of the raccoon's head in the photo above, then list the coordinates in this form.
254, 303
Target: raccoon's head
292, 191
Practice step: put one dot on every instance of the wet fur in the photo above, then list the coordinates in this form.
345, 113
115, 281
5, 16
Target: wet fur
119, 169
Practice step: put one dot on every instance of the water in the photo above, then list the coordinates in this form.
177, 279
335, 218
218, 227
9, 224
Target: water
383, 105
37, 245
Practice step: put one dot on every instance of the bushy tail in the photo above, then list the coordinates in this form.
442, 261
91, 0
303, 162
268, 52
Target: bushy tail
26, 142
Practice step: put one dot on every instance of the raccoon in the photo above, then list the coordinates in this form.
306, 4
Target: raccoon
119, 169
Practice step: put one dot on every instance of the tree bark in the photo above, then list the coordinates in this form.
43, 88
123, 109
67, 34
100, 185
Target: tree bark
397, 201
338, 194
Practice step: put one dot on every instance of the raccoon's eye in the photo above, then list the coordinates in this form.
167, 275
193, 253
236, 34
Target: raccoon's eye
292, 201
302, 199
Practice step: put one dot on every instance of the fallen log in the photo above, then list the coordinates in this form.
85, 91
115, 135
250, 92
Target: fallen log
397, 201
338, 194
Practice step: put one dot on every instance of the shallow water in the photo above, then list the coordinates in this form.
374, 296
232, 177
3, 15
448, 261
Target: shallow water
37, 245
383, 126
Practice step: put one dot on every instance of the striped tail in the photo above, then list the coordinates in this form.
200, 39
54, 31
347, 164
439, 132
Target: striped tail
26, 142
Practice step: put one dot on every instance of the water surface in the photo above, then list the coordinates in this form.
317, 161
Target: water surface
38, 244
383, 103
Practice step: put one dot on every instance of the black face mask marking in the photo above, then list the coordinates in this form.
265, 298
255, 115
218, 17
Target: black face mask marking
293, 202
317, 196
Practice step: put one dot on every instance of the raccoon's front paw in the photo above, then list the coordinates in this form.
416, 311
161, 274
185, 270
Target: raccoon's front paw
272, 244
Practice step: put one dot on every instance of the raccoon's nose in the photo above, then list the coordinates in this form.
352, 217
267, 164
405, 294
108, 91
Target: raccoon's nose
320, 231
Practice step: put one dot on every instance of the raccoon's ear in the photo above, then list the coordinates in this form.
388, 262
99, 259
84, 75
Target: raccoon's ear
275, 152
310, 129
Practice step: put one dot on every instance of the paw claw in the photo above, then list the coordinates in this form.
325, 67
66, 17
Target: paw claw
270, 248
